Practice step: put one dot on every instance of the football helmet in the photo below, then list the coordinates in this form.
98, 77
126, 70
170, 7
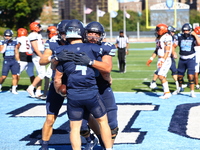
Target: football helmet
187, 27
74, 29
35, 26
197, 30
51, 31
161, 29
97, 28
61, 26
22, 32
8, 32
171, 29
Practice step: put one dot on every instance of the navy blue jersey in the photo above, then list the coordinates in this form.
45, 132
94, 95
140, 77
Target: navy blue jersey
80, 76
108, 49
81, 82
10, 49
53, 44
186, 44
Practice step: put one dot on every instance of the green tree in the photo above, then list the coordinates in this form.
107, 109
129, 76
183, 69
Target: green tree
194, 16
19, 13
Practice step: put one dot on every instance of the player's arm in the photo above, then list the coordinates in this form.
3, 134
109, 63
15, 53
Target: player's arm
3, 47
57, 80
34, 44
46, 57
107, 59
152, 57
105, 65
196, 37
17, 52
174, 54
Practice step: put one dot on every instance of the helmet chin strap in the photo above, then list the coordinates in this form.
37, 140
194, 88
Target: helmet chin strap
187, 34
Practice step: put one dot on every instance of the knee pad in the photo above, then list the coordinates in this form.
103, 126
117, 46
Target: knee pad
180, 80
85, 133
191, 81
114, 132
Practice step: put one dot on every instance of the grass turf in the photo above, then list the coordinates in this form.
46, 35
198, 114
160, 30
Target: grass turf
136, 78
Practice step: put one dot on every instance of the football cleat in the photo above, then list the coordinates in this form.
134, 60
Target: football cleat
30, 92
166, 95
38, 94
91, 145
175, 92
14, 92
153, 85
192, 95
184, 85
42, 97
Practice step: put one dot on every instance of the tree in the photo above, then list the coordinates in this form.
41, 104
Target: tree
19, 13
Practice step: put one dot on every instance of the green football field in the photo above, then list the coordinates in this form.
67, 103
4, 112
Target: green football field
136, 78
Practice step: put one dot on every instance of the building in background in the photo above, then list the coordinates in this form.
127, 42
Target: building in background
50, 13
64, 9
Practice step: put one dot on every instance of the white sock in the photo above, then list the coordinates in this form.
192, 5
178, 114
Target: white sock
0, 86
165, 87
192, 91
108, 148
38, 92
31, 87
177, 85
14, 87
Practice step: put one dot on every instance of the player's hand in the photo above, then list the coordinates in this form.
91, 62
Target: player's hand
160, 63
148, 62
65, 55
83, 59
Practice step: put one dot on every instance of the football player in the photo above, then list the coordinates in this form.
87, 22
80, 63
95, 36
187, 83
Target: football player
164, 51
83, 95
54, 100
186, 42
52, 35
197, 49
173, 68
37, 45
7, 47
24, 53
95, 34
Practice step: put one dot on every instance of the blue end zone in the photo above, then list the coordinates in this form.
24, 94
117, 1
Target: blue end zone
146, 122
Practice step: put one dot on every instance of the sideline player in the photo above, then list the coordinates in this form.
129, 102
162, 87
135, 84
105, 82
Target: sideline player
95, 34
186, 42
7, 47
38, 48
24, 53
164, 51
173, 68
54, 100
52, 35
83, 95
197, 66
